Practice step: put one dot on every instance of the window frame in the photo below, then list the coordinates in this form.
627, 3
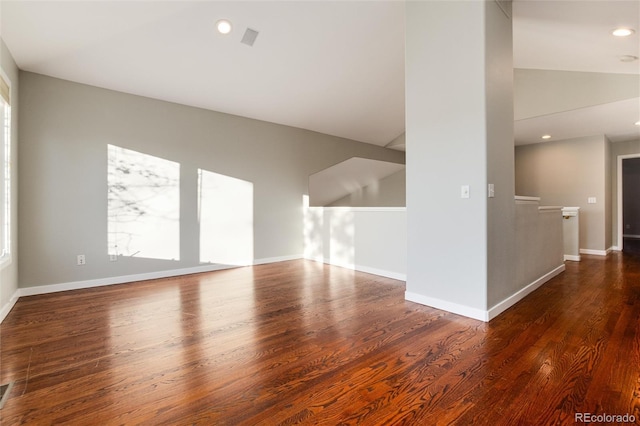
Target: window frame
5, 173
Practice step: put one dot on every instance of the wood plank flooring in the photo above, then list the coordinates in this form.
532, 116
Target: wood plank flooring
304, 343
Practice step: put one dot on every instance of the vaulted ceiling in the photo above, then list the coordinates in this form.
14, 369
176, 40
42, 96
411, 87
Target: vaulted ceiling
335, 67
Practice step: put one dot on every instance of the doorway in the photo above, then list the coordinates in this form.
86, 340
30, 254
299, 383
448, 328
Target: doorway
629, 203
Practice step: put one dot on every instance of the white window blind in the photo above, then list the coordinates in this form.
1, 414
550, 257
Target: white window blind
5, 169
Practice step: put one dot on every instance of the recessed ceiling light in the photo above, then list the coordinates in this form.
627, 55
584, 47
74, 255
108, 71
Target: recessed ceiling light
223, 26
628, 58
622, 32
546, 136
638, 123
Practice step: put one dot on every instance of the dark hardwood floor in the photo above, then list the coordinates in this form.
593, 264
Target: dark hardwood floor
304, 343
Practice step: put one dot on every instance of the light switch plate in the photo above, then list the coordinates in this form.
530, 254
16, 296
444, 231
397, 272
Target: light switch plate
591, 200
464, 191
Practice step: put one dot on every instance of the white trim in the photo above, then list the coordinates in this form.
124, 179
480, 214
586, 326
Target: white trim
319, 259
518, 296
6, 259
619, 193
544, 209
616, 248
571, 211
9, 305
479, 314
77, 285
277, 259
360, 209
6, 78
361, 268
595, 252
572, 257
381, 272
526, 199
444, 305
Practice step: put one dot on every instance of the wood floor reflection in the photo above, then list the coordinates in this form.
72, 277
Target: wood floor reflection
304, 343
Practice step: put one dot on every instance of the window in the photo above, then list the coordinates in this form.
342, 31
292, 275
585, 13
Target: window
5, 170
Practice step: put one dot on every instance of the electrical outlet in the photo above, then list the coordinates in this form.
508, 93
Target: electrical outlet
113, 258
464, 191
81, 260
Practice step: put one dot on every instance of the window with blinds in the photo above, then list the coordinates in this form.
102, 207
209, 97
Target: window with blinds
5, 172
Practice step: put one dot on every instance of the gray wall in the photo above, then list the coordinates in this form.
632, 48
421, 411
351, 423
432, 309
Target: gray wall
387, 192
65, 128
567, 173
617, 149
9, 274
539, 244
459, 115
501, 213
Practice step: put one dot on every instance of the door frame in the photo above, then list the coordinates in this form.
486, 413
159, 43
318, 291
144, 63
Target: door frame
619, 192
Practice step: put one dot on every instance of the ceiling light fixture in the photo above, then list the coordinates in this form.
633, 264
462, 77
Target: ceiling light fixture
223, 26
638, 123
628, 58
546, 136
622, 32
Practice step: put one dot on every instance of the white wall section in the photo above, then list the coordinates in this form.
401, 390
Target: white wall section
370, 240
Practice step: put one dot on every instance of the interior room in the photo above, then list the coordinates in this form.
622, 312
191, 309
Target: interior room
264, 212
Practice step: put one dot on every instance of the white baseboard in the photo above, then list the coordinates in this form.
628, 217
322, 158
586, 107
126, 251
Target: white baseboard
277, 259
361, 268
480, 314
518, 296
444, 305
383, 273
595, 252
9, 305
77, 285
616, 248
319, 259
572, 257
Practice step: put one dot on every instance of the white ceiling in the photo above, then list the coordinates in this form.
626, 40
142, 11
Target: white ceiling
331, 67
615, 119
575, 35
335, 67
